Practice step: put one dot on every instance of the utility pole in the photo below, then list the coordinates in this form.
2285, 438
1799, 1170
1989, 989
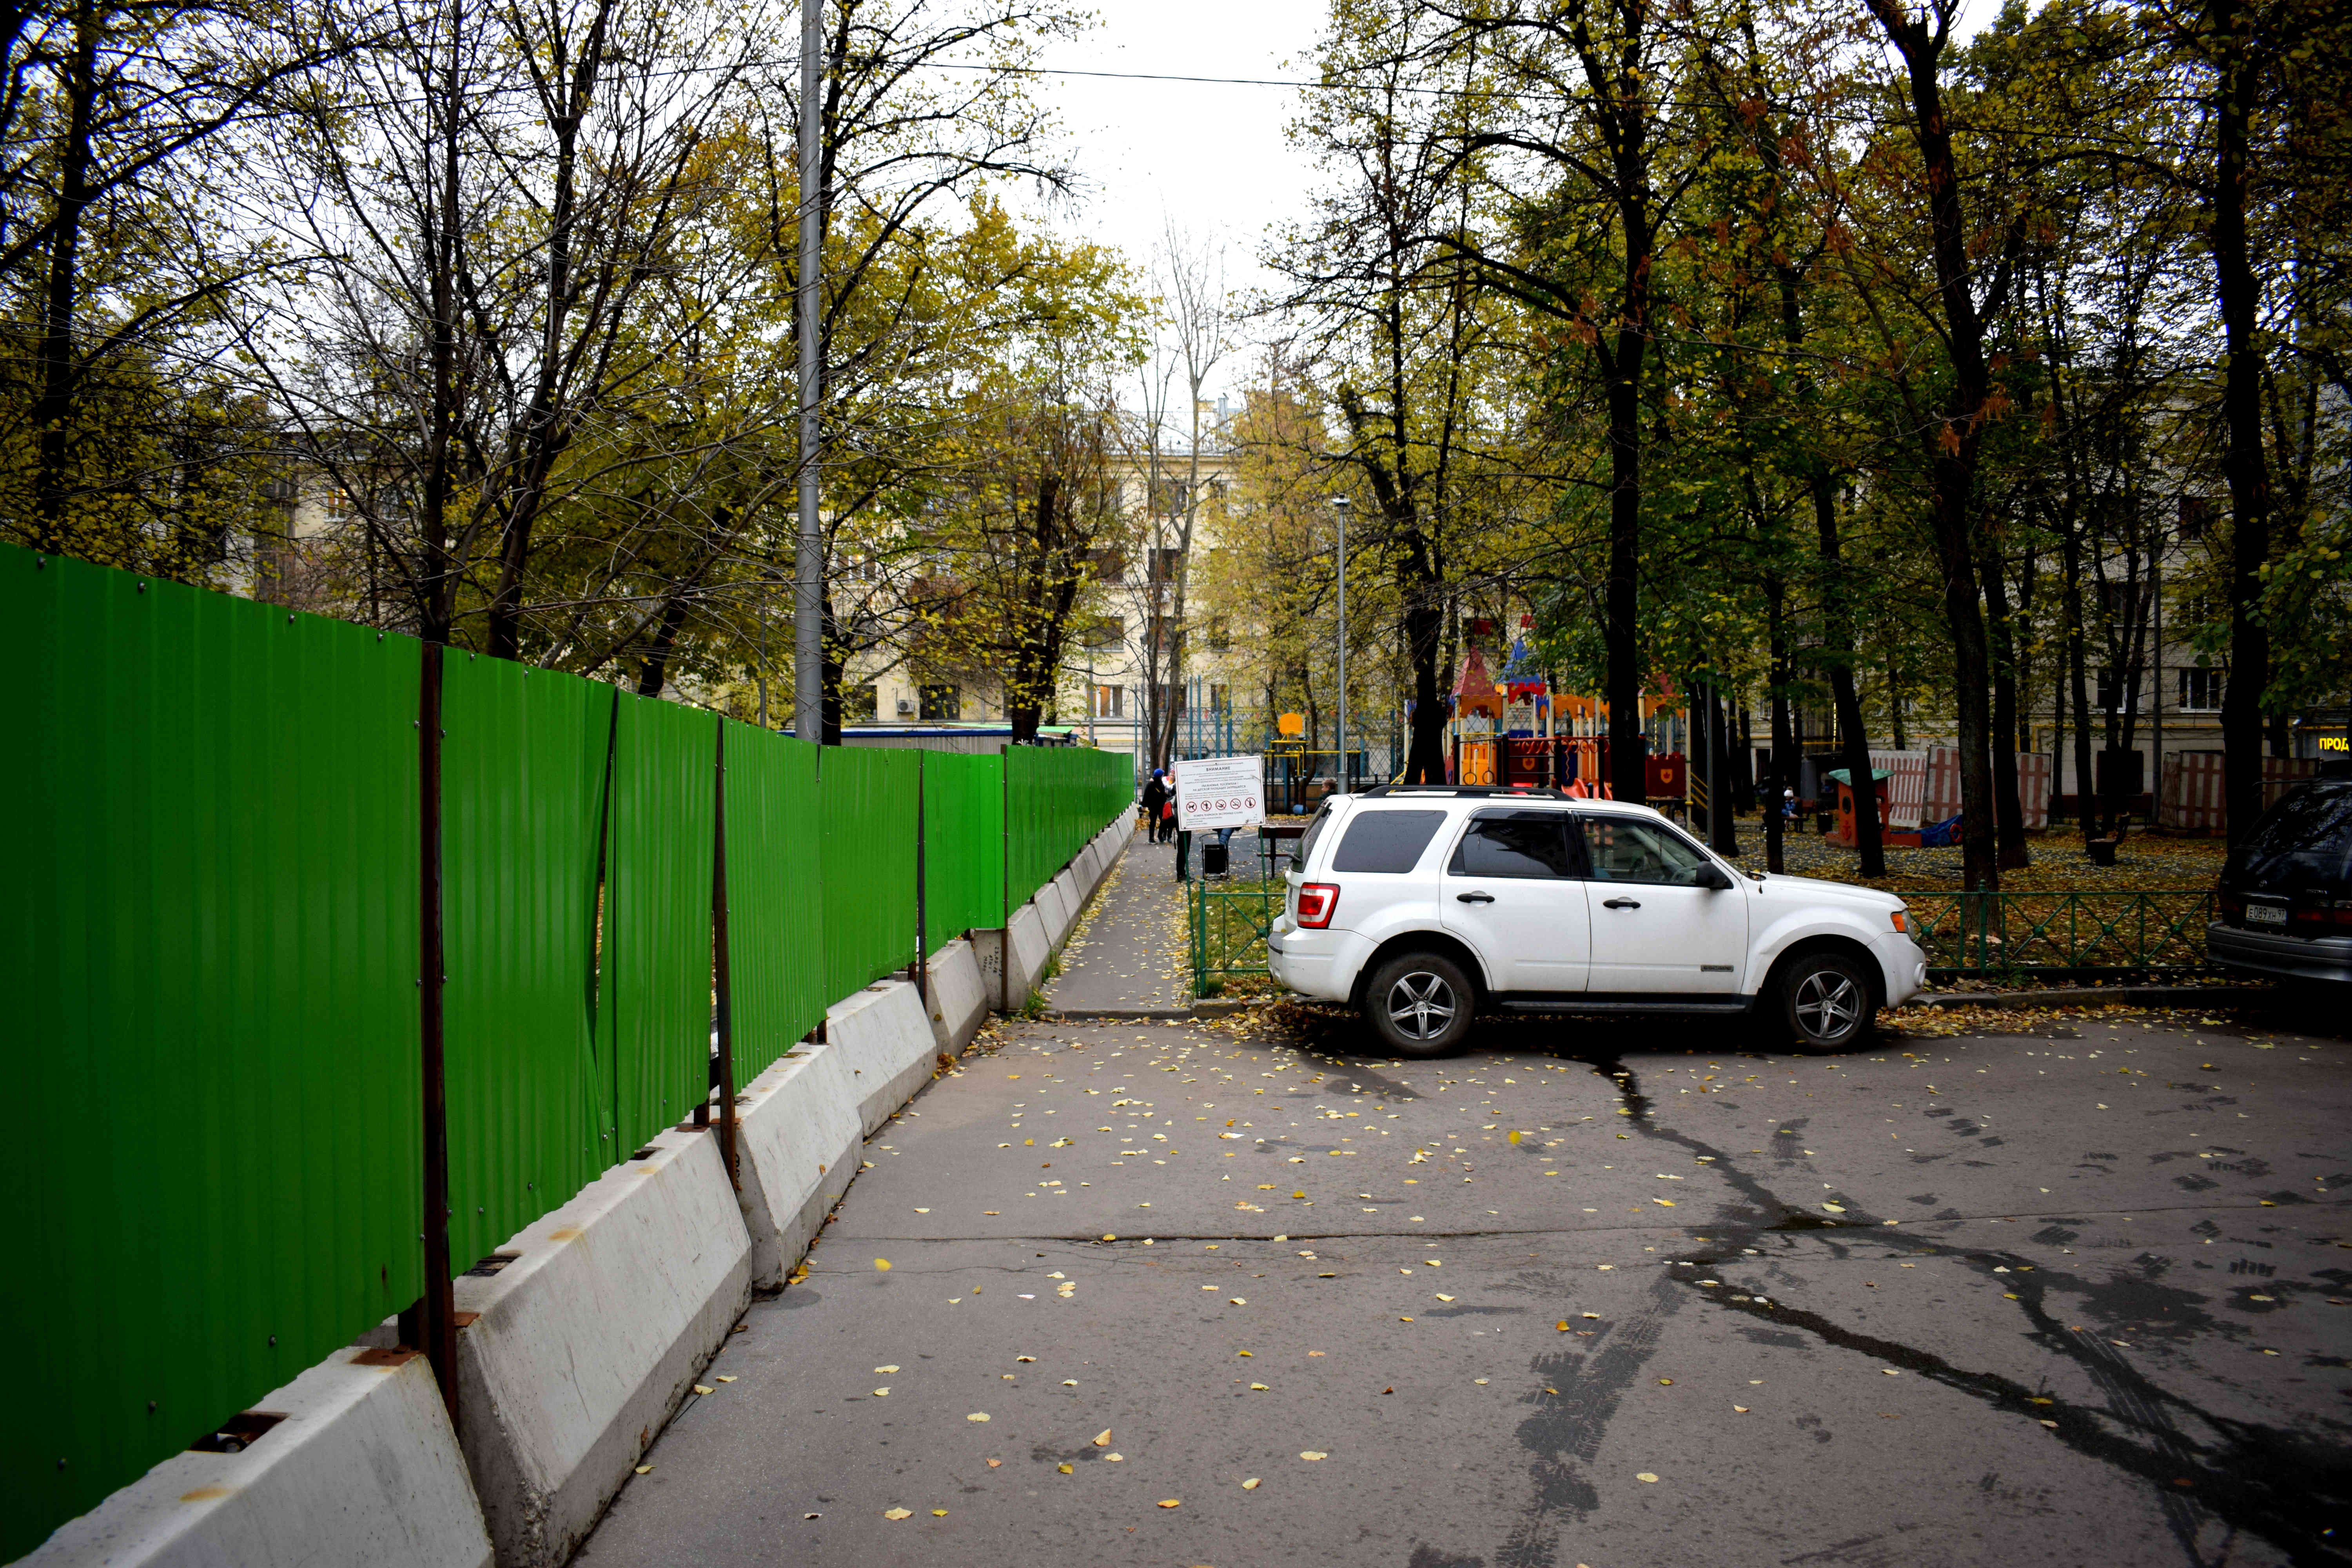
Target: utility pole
1339, 505
808, 568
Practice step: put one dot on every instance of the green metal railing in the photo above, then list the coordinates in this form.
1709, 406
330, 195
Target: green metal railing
1228, 926
2047, 935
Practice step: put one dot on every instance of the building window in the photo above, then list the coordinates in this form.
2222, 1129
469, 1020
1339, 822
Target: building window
2196, 516
1221, 637
2200, 690
861, 704
1107, 565
1110, 701
1105, 633
941, 702
1221, 700
1164, 565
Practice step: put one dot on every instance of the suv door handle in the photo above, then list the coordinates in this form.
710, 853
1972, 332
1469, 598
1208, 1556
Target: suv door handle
1620, 903
1474, 898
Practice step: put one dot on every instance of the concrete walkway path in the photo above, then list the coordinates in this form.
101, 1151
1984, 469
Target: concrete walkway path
1127, 954
1155, 1293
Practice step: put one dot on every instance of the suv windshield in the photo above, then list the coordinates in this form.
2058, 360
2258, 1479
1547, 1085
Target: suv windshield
2303, 844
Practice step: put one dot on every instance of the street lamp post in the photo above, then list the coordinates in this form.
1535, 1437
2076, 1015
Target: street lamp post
808, 555
1339, 505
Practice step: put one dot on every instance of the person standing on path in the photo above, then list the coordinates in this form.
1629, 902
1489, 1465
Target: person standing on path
1155, 795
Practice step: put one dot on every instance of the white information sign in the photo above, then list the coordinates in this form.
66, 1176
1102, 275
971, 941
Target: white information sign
1220, 792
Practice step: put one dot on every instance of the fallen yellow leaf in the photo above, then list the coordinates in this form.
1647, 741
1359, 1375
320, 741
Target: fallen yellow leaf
1314, 1454
644, 1469
977, 1416
1644, 1476
1250, 1485
1067, 1469
702, 1388
897, 1514
1171, 1502
885, 1371
883, 1264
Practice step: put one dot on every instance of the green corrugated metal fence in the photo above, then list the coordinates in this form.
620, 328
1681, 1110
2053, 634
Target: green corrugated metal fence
209, 939
211, 935
866, 812
964, 845
522, 798
653, 993
775, 922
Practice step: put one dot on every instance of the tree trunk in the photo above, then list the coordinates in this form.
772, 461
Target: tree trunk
2009, 815
1723, 828
653, 671
1869, 841
1627, 775
1955, 443
52, 410
1784, 743
2242, 459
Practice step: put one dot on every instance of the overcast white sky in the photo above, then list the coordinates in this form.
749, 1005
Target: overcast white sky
1213, 158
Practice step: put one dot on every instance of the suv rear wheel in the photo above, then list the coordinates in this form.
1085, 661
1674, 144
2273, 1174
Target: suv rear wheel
1825, 1001
1418, 1004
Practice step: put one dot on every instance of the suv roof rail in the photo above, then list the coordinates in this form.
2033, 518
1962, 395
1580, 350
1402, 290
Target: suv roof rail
1505, 792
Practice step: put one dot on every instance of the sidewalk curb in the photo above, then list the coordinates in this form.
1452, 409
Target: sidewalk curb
2091, 996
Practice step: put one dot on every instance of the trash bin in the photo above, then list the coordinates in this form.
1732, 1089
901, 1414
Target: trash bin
1212, 859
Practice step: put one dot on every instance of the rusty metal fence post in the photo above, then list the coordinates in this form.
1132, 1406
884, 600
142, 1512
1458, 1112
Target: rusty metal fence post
435, 1325
721, 979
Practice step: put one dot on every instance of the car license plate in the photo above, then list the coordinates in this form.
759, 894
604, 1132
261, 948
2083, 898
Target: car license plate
2264, 915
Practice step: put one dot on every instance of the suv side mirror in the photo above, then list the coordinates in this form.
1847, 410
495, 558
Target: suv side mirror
1712, 878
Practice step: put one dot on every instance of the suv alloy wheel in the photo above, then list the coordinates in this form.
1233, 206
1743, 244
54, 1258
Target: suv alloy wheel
1825, 1001
1418, 1004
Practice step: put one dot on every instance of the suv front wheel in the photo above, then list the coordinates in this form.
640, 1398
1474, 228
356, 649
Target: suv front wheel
1825, 1001
1418, 1004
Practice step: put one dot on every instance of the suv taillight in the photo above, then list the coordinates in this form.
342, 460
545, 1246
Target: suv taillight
1316, 902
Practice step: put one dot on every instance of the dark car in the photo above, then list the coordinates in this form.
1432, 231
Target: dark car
2286, 891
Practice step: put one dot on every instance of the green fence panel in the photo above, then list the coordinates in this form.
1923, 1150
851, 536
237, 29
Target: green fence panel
964, 845
776, 919
866, 804
522, 793
1059, 797
654, 995
208, 945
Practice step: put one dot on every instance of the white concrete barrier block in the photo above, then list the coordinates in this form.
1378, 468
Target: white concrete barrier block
798, 1132
587, 1341
362, 1470
1026, 939
1054, 912
959, 993
886, 1043
1074, 892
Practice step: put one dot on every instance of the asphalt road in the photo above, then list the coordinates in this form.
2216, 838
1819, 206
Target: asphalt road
1592, 1294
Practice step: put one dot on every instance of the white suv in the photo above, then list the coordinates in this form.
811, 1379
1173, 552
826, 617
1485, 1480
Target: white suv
1419, 904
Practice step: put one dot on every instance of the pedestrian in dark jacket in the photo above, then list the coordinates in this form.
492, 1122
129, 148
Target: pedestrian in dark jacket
1155, 795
